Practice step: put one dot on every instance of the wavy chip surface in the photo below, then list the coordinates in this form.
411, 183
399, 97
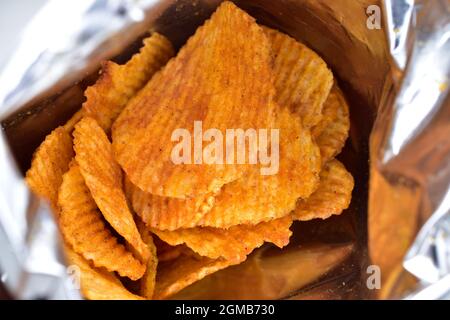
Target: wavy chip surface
222, 77
70, 124
302, 78
332, 131
232, 244
103, 176
83, 228
150, 206
166, 213
165, 251
331, 198
50, 161
147, 286
97, 284
175, 275
256, 198
119, 83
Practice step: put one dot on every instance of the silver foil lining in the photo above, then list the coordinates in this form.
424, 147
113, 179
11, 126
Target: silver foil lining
416, 144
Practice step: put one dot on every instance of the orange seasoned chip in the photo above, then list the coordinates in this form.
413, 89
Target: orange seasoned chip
83, 228
70, 124
232, 244
166, 213
222, 78
153, 205
332, 131
332, 196
97, 284
167, 252
170, 254
302, 78
256, 198
119, 83
103, 176
147, 287
175, 275
50, 161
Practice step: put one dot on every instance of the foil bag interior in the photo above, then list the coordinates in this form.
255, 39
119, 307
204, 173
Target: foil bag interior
391, 60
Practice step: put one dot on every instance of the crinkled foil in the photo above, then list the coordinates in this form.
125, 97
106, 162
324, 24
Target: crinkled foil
409, 204
390, 58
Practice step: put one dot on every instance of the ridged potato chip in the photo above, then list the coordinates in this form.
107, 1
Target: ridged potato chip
103, 176
165, 251
329, 113
50, 161
97, 284
70, 124
147, 285
83, 228
256, 198
332, 131
232, 244
170, 254
166, 213
302, 78
221, 77
175, 275
155, 210
332, 196
119, 83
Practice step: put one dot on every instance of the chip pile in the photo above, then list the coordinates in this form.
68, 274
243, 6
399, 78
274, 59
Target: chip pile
126, 210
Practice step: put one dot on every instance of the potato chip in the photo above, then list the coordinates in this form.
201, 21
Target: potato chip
83, 228
221, 77
302, 78
118, 83
332, 131
97, 284
165, 251
175, 275
147, 286
50, 161
170, 254
329, 114
332, 196
70, 124
232, 244
103, 177
166, 213
256, 198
